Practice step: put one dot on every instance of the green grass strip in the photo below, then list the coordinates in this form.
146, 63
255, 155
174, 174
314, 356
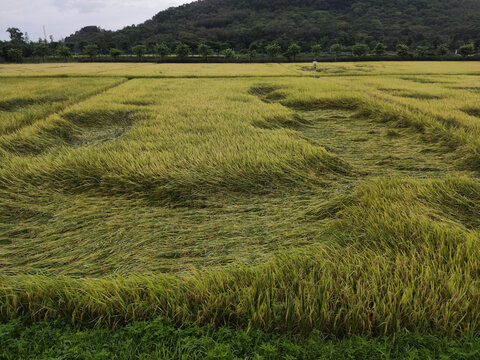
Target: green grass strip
159, 339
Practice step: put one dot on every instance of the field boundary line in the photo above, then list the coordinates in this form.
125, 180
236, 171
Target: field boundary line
306, 75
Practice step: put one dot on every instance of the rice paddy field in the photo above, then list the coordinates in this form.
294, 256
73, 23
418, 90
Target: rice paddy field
242, 210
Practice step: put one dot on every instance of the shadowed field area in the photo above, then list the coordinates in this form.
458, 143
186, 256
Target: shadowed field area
261, 199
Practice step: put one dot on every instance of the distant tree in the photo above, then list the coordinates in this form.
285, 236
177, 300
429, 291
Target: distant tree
182, 50
292, 51
115, 53
436, 42
316, 50
256, 45
218, 46
442, 50
139, 50
336, 49
41, 50
91, 50
360, 49
14, 55
162, 50
403, 50
379, 49
252, 54
476, 44
102, 48
15, 34
81, 45
229, 53
64, 52
394, 43
151, 47
467, 49
273, 50
421, 51
125, 46
71, 46
284, 40
204, 50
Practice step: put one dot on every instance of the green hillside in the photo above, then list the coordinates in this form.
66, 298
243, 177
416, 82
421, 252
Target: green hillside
255, 23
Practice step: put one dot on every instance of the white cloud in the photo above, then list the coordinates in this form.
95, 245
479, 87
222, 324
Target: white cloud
63, 17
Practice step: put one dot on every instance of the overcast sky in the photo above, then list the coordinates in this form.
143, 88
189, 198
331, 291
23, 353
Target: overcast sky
63, 17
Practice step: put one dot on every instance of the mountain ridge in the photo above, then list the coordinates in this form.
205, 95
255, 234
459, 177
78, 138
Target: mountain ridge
239, 24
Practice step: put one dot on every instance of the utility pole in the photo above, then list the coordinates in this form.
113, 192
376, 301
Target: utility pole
44, 34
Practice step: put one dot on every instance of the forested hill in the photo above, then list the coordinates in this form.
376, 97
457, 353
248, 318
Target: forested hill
241, 23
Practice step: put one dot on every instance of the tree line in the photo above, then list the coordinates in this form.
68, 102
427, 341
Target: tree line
19, 47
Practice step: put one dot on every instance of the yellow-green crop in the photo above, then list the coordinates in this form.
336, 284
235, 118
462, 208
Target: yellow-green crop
243, 195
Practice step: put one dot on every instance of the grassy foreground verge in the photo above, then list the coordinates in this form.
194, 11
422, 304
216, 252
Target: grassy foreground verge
161, 340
